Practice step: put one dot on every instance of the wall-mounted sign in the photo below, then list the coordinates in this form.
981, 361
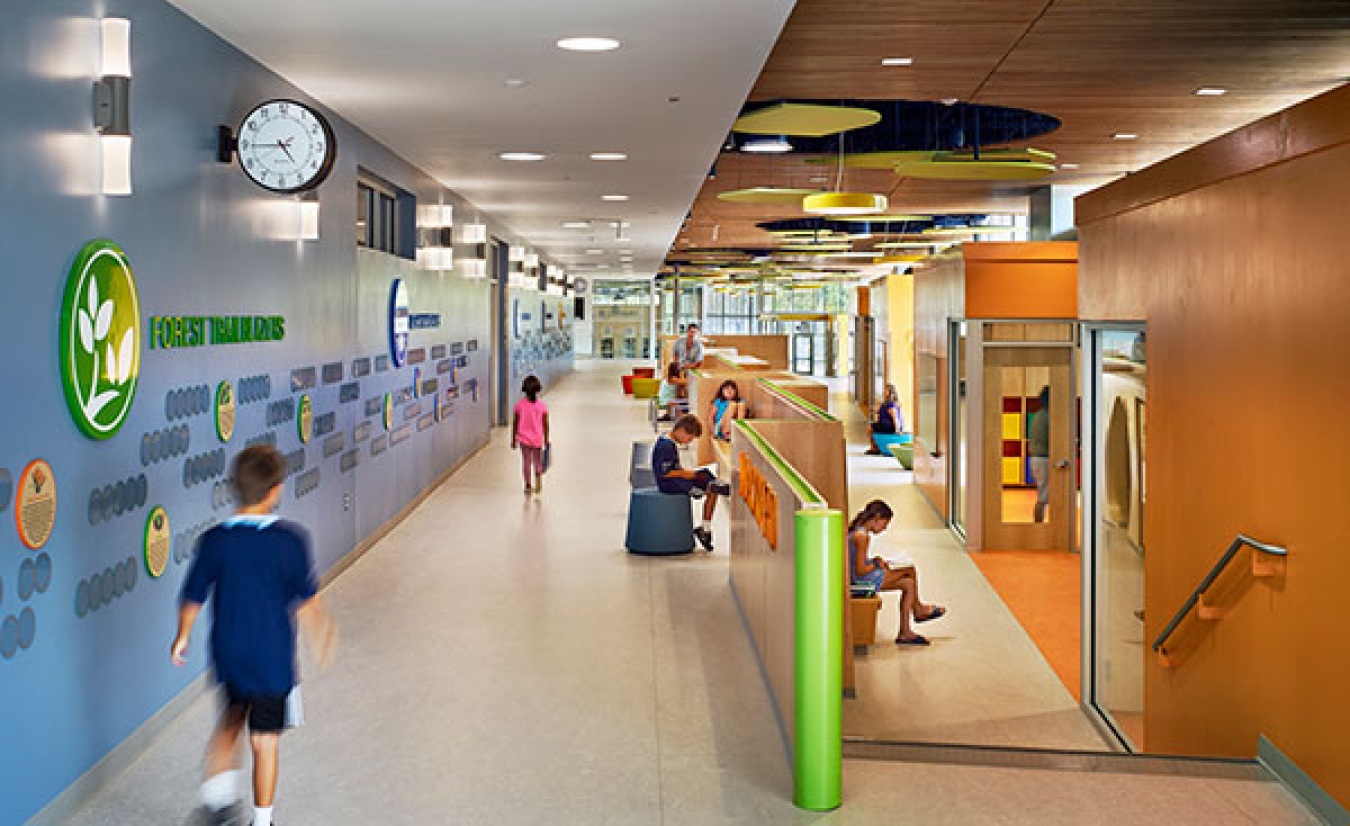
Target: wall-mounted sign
424, 321
398, 322
388, 415
760, 499
225, 406
100, 339
179, 331
158, 541
35, 504
304, 419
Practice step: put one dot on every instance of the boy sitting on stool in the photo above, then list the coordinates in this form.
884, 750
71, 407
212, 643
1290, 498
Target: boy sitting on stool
671, 478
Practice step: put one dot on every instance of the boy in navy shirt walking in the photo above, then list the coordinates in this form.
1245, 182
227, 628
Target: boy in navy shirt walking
671, 478
258, 571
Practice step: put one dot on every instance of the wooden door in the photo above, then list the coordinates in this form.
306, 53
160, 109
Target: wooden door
1013, 378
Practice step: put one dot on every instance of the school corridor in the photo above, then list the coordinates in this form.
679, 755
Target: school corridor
503, 661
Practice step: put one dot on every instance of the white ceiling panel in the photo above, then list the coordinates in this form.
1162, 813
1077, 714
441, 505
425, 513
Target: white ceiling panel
429, 79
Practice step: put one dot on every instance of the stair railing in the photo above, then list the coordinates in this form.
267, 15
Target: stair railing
1198, 594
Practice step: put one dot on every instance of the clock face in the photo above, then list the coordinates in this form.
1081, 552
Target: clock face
285, 146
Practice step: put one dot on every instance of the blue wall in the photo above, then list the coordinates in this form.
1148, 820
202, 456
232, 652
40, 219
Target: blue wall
201, 240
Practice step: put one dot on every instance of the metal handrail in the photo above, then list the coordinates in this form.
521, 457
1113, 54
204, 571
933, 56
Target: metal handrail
1260, 547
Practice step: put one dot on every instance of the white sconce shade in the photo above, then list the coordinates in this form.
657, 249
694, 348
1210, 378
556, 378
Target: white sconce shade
116, 43
516, 253
436, 216
475, 268
116, 152
475, 233
531, 260
309, 218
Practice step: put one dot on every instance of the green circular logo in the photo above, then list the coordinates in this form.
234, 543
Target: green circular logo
100, 339
304, 419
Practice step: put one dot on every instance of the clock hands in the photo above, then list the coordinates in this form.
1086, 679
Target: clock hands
285, 148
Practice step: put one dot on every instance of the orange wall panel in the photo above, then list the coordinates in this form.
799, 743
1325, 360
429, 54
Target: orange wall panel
1243, 286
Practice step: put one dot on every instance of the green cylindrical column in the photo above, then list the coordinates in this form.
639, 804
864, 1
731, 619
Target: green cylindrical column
819, 659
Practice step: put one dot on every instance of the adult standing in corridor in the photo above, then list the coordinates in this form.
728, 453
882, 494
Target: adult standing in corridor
689, 350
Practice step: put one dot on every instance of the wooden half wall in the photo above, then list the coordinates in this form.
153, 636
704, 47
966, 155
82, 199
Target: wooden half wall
1234, 254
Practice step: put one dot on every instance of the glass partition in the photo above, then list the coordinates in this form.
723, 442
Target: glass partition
1117, 413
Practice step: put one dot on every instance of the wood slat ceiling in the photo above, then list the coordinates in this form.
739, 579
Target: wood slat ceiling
1101, 66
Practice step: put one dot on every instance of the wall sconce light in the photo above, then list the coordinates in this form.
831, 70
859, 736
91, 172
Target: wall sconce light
309, 216
112, 105
531, 260
436, 242
516, 254
475, 235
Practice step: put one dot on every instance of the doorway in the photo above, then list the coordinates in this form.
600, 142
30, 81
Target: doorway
500, 263
1115, 415
1030, 489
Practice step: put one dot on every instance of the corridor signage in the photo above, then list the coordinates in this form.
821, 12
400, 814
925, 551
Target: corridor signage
173, 332
100, 339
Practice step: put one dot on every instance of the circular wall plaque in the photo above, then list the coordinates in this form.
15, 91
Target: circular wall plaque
100, 339
158, 541
225, 411
35, 505
388, 411
398, 323
304, 419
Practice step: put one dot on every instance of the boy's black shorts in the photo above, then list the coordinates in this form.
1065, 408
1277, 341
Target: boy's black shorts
266, 715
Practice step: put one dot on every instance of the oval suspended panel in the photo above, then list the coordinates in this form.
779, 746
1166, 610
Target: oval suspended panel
766, 195
972, 170
810, 120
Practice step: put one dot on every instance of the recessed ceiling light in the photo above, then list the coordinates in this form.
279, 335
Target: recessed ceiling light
614, 197
625, 252
1068, 166
897, 61
950, 101
521, 156
516, 83
609, 156
595, 252
820, 179
1124, 136
1211, 92
576, 224
767, 145
588, 44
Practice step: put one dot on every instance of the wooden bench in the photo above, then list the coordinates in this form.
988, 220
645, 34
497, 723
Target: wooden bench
863, 613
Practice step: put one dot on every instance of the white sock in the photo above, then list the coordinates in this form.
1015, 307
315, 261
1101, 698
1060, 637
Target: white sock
221, 790
262, 816
707, 524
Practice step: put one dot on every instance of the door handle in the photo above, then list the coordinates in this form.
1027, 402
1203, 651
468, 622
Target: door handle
1061, 464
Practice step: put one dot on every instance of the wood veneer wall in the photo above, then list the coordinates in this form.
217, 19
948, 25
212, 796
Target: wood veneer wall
1234, 253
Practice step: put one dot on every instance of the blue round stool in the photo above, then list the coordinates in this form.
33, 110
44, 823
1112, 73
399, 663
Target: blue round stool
659, 524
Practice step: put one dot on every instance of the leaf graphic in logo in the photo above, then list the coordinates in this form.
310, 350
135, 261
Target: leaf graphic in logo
159, 521
99, 402
39, 479
93, 297
126, 352
86, 332
111, 365
104, 320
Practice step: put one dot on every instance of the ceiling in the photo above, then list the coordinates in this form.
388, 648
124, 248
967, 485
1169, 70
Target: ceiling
428, 79
1101, 66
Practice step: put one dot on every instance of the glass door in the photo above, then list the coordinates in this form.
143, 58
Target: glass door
1115, 417
959, 416
803, 349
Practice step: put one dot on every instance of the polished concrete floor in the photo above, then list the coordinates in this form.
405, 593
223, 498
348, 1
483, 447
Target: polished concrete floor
503, 661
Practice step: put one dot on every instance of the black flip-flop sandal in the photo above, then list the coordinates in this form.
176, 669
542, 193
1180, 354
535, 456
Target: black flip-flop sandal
937, 613
917, 639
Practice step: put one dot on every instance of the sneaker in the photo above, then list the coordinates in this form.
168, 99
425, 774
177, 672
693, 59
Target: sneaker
539, 485
704, 538
528, 490
720, 488
232, 815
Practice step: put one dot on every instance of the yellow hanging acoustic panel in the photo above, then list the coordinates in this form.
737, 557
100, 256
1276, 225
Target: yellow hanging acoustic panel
809, 120
844, 203
873, 160
993, 165
766, 195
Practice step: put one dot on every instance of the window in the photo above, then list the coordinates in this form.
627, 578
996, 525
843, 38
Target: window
385, 217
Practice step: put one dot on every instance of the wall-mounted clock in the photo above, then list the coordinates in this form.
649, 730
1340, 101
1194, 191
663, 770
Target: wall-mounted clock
282, 145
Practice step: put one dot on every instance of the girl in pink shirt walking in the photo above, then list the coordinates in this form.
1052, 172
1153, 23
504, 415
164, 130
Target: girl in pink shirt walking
529, 432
